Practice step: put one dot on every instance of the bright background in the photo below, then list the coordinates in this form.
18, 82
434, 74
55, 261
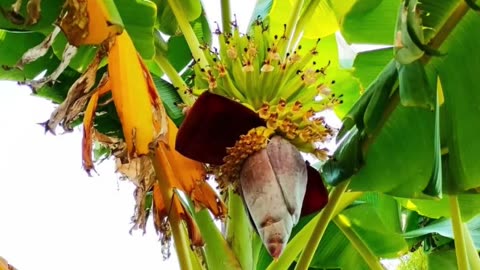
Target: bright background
52, 215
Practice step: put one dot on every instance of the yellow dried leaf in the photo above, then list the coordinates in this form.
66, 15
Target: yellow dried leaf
135, 105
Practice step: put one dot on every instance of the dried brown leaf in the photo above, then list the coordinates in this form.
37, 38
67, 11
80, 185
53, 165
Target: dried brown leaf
33, 12
77, 97
68, 53
38, 51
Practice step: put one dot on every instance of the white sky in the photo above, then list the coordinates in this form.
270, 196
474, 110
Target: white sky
52, 215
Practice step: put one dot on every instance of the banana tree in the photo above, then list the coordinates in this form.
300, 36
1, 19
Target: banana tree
176, 101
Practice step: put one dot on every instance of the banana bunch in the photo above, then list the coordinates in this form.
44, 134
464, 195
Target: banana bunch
265, 98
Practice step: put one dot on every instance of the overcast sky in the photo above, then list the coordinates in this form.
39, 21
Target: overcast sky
52, 215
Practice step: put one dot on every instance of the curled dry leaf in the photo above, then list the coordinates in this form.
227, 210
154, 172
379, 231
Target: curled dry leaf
88, 118
38, 51
68, 53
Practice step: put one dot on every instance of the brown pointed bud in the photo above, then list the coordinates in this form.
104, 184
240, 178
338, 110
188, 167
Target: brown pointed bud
273, 182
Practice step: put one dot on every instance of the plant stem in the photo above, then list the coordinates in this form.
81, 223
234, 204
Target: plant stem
239, 231
295, 245
458, 234
226, 16
325, 217
473, 258
180, 236
174, 77
290, 30
187, 31
344, 225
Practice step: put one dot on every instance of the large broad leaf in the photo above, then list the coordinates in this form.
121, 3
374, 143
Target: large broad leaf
314, 28
407, 172
459, 121
412, 133
166, 19
445, 260
469, 205
444, 228
360, 20
399, 174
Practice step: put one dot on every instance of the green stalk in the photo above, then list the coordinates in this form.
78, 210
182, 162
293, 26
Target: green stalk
187, 31
292, 23
473, 258
226, 16
174, 77
256, 247
296, 245
239, 231
179, 232
320, 227
458, 234
358, 244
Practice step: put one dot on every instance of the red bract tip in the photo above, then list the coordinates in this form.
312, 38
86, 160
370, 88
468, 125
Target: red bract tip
316, 196
212, 124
